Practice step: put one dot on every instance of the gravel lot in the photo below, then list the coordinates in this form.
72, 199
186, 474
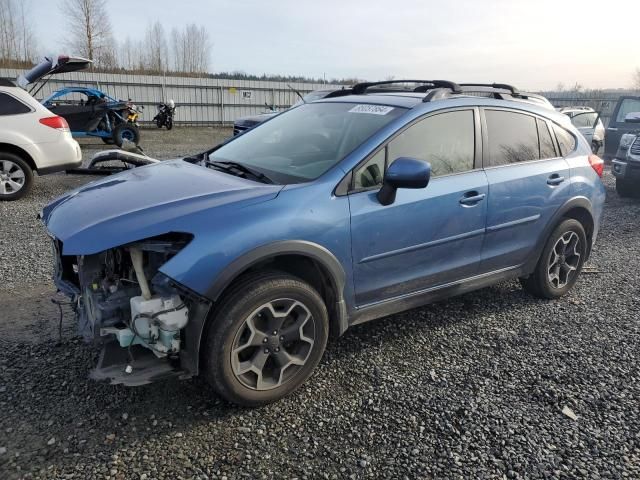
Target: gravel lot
473, 387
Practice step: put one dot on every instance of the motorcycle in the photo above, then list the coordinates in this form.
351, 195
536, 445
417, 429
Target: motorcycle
164, 118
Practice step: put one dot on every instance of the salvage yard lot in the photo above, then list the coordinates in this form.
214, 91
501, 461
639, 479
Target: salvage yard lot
471, 387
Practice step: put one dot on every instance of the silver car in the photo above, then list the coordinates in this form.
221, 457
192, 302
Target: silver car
588, 122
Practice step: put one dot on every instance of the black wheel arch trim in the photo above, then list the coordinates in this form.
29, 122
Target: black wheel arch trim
196, 328
271, 250
576, 202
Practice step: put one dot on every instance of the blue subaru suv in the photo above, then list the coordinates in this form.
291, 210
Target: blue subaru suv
239, 263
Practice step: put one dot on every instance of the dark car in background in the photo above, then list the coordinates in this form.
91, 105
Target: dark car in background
243, 124
618, 127
626, 164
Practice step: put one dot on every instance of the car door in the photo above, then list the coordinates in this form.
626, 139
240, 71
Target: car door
426, 237
586, 123
617, 127
528, 181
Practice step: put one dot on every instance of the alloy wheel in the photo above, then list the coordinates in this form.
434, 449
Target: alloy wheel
12, 177
273, 344
564, 260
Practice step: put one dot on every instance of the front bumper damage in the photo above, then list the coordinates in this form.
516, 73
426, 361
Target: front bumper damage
147, 325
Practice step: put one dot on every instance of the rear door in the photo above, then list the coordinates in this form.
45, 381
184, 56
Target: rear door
617, 127
429, 236
528, 181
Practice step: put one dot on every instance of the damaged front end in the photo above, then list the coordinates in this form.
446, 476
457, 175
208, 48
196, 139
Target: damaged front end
147, 324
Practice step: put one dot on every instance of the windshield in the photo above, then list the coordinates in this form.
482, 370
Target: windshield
301, 144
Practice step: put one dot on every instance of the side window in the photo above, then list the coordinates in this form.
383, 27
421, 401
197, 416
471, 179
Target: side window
628, 105
446, 140
584, 120
547, 147
10, 105
371, 173
566, 141
513, 137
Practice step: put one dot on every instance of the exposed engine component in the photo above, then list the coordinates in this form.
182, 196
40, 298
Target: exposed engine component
122, 296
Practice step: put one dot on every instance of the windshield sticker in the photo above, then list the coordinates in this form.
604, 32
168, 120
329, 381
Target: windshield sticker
371, 109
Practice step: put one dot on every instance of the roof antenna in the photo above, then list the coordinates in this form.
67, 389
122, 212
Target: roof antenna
297, 93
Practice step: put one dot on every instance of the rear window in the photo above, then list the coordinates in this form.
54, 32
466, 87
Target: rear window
10, 105
566, 141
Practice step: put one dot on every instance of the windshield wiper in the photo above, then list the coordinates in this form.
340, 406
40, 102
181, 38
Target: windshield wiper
235, 168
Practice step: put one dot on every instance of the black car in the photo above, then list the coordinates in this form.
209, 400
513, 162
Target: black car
243, 124
617, 126
626, 165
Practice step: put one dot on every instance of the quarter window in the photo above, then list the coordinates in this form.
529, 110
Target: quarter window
566, 141
445, 140
513, 137
370, 174
10, 105
547, 147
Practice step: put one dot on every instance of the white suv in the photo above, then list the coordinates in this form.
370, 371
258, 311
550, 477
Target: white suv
32, 139
588, 122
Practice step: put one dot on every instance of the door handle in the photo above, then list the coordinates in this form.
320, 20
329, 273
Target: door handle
472, 198
555, 179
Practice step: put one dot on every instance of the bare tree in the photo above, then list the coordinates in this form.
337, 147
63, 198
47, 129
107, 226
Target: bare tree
90, 30
17, 42
155, 48
191, 48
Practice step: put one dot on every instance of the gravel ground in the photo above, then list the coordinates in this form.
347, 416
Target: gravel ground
474, 387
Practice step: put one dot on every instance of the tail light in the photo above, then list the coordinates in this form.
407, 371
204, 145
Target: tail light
597, 164
56, 122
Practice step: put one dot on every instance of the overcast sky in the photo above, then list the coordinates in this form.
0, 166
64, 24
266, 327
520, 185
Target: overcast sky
534, 44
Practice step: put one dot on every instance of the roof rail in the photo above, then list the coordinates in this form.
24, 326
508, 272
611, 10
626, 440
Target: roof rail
360, 88
498, 86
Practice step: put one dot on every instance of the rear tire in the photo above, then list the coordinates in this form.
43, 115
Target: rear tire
265, 338
625, 188
169, 123
16, 177
560, 263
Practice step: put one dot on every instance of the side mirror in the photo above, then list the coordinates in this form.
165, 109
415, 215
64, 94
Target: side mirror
405, 172
633, 117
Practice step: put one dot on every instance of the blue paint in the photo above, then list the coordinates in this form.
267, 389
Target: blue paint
426, 239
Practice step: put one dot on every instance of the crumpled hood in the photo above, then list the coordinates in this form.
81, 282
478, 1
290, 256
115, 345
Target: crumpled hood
172, 196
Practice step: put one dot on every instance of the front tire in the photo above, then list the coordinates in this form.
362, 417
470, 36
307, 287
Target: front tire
560, 263
265, 338
169, 123
625, 188
16, 177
